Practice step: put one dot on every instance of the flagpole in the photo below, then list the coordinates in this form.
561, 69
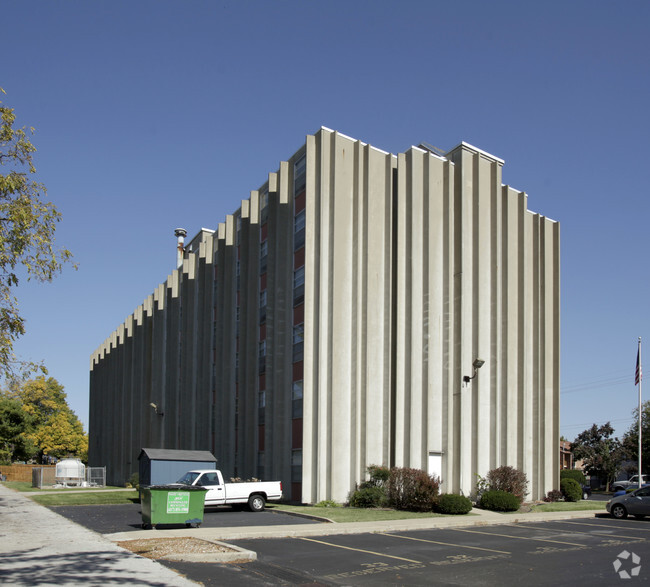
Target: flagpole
640, 376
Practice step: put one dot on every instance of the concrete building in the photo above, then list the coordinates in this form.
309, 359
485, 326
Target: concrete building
333, 321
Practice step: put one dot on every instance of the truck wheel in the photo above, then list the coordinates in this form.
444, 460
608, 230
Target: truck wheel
256, 503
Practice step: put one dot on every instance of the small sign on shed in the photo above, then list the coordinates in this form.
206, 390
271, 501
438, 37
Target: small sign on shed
159, 466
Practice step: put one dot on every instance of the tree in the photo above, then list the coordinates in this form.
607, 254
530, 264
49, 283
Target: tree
15, 423
56, 431
27, 227
631, 437
600, 453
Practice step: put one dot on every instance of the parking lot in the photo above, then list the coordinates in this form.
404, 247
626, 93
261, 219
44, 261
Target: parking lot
598, 550
547, 553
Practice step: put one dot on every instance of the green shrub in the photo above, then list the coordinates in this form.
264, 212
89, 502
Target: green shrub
412, 490
499, 501
327, 503
134, 481
571, 490
450, 503
553, 495
508, 479
574, 474
378, 475
368, 497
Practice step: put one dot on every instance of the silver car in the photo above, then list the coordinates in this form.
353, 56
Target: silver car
636, 503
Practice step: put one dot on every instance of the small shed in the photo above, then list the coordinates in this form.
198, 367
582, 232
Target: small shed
159, 466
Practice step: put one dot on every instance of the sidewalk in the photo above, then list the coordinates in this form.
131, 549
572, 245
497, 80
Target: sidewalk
39, 547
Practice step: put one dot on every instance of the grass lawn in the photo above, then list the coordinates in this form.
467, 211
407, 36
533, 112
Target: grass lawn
89, 498
567, 506
342, 514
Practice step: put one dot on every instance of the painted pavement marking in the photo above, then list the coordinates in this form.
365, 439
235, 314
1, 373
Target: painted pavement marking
516, 537
408, 560
446, 543
595, 532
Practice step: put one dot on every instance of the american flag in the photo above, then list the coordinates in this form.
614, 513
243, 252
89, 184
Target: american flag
638, 375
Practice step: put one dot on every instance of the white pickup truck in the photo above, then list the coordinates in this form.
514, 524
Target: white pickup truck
253, 493
632, 482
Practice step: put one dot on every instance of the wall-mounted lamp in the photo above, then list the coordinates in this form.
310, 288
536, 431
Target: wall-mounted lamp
478, 363
155, 409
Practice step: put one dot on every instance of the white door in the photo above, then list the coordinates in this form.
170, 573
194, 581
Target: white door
216, 493
435, 464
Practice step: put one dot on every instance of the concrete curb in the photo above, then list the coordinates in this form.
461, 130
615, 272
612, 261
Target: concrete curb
479, 518
240, 555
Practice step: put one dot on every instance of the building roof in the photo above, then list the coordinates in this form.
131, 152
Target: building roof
167, 454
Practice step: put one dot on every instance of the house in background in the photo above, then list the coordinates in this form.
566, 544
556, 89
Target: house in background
566, 455
359, 308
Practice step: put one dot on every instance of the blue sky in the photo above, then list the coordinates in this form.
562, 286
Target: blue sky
152, 115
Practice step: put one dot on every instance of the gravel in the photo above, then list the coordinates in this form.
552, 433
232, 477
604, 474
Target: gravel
169, 548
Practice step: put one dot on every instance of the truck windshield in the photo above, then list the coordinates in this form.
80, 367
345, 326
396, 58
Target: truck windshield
188, 478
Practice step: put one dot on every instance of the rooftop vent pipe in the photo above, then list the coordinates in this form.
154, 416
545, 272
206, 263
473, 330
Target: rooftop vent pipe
180, 233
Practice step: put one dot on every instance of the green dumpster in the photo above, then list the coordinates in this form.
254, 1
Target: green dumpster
172, 504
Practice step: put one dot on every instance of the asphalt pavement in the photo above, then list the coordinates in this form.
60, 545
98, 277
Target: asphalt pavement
41, 547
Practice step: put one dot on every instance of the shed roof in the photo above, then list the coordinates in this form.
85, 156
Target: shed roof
168, 454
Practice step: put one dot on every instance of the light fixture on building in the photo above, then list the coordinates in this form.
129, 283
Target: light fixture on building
155, 409
478, 363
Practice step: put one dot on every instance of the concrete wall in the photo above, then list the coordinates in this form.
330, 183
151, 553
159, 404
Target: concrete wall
414, 266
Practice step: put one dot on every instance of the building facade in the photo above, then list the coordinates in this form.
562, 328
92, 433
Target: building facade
333, 321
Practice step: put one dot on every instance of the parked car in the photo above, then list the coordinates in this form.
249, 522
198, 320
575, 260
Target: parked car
253, 493
631, 482
586, 492
636, 503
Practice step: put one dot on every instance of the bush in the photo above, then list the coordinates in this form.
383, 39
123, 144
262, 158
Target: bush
412, 490
497, 500
378, 476
450, 503
368, 497
554, 495
327, 503
508, 479
571, 489
574, 474
134, 481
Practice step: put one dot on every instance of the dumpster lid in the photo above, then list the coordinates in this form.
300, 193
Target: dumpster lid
175, 487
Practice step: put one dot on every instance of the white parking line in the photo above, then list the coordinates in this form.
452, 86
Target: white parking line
446, 543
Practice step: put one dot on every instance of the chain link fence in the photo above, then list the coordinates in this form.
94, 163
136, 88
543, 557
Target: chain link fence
46, 477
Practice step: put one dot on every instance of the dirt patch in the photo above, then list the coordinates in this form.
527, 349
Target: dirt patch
162, 548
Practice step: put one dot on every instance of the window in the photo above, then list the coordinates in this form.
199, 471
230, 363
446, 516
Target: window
296, 399
299, 175
261, 405
264, 253
264, 206
262, 356
299, 285
296, 466
298, 338
299, 230
262, 306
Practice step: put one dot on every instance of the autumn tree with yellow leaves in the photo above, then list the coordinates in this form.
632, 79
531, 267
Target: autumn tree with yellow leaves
54, 429
27, 227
